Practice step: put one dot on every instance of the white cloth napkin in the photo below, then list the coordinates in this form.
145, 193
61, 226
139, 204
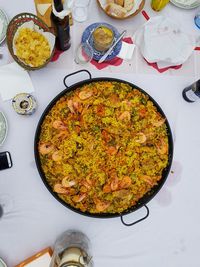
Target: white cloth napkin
161, 40
14, 80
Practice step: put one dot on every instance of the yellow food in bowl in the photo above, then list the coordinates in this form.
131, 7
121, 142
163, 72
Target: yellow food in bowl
103, 38
32, 47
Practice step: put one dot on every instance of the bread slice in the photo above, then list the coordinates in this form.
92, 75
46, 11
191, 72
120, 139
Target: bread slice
119, 2
116, 10
128, 4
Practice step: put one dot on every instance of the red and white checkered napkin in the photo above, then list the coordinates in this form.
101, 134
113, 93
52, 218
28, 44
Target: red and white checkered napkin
163, 44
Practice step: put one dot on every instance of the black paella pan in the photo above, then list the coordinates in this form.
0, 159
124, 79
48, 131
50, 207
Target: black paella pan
148, 196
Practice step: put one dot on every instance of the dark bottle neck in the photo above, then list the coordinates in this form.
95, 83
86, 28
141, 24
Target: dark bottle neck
58, 5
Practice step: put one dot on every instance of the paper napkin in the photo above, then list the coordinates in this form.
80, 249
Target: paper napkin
126, 51
14, 80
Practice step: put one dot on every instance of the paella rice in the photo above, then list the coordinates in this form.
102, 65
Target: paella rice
103, 147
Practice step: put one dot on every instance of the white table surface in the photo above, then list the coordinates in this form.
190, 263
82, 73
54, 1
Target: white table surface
170, 237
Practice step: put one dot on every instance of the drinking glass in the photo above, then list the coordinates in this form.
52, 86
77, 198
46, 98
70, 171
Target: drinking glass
80, 10
83, 54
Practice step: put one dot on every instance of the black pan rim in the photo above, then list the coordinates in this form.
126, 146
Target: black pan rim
148, 196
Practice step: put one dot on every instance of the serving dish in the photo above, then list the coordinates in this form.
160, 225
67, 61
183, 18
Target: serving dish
3, 25
149, 195
184, 6
3, 128
16, 23
87, 37
138, 6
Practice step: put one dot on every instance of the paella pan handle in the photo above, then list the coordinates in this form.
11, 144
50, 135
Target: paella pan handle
74, 73
130, 224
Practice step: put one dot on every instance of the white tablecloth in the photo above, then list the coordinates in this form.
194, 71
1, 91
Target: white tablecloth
170, 237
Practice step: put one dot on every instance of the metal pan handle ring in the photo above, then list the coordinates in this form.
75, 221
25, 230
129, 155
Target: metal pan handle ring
73, 73
130, 224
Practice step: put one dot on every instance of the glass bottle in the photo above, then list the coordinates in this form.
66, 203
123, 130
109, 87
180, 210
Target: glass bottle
197, 20
158, 5
192, 92
60, 19
72, 249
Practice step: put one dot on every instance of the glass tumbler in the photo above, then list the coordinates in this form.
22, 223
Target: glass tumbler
83, 54
72, 249
80, 10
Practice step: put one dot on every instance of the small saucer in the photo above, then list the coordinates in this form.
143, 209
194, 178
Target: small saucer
3, 25
87, 35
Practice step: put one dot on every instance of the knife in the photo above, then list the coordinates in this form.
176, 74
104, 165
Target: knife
111, 48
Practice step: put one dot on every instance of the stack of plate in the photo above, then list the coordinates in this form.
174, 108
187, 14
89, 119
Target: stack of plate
3, 128
186, 4
3, 25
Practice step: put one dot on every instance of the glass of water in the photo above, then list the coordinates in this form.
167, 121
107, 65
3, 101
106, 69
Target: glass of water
80, 10
84, 54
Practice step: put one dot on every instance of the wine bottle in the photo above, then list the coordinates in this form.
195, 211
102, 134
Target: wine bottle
60, 19
192, 92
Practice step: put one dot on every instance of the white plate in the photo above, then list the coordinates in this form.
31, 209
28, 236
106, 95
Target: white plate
3, 128
178, 4
2, 263
3, 25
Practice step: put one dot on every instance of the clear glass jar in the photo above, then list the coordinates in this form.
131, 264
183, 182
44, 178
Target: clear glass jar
72, 249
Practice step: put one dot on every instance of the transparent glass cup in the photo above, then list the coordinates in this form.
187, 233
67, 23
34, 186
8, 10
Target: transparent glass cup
83, 54
80, 10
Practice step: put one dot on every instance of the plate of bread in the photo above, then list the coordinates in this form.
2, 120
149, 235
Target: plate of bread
121, 9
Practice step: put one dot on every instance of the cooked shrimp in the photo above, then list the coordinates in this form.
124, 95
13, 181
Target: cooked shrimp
107, 188
56, 156
125, 182
114, 184
158, 123
141, 138
162, 147
86, 184
125, 116
78, 107
85, 94
59, 125
46, 148
101, 206
66, 182
70, 106
147, 179
79, 198
58, 188
62, 134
